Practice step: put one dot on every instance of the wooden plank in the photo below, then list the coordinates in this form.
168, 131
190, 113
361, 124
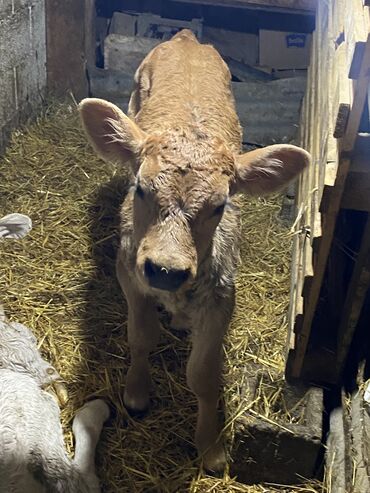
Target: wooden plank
319, 91
293, 293
307, 268
292, 6
356, 29
90, 32
358, 54
356, 293
361, 86
302, 260
330, 176
342, 98
65, 44
337, 10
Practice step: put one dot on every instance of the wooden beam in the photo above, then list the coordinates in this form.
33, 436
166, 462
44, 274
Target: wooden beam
291, 6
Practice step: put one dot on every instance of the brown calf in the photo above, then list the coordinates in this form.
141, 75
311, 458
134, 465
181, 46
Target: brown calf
180, 221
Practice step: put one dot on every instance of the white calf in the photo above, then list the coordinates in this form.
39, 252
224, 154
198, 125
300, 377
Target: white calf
32, 453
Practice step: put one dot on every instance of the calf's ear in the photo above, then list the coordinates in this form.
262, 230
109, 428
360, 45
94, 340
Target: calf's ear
267, 170
114, 136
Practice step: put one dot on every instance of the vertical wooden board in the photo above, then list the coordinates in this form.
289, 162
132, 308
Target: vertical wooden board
307, 266
302, 129
90, 32
342, 94
312, 98
293, 293
307, 116
356, 27
319, 125
338, 12
65, 41
360, 91
299, 299
316, 90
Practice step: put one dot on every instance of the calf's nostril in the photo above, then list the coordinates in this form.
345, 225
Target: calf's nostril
183, 275
150, 269
164, 278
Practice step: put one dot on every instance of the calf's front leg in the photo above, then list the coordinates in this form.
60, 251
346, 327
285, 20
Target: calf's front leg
204, 371
143, 333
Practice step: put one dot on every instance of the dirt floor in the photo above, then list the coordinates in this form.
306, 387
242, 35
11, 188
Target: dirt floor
60, 281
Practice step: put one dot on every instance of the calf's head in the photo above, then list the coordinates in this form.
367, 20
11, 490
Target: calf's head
184, 179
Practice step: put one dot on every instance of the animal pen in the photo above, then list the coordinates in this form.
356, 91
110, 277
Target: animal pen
295, 391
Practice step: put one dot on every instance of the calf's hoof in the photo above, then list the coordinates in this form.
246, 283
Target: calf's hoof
136, 405
214, 459
93, 483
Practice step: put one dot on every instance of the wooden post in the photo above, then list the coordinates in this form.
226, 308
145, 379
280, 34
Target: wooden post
69, 42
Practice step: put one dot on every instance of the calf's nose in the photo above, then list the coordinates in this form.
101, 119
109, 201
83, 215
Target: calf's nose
163, 278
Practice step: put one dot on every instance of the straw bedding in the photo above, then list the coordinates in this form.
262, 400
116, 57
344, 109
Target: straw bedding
60, 281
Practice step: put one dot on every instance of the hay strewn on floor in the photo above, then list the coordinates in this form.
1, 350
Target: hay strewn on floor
60, 282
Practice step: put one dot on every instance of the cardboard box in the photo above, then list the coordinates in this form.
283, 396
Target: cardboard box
282, 50
242, 47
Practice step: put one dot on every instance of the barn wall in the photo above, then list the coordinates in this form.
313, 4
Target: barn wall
22, 62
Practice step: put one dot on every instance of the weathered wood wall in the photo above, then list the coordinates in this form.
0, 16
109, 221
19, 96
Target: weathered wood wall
329, 270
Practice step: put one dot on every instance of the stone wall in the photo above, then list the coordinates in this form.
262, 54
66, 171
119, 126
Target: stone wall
22, 62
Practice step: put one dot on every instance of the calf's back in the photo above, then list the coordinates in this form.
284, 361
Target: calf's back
181, 83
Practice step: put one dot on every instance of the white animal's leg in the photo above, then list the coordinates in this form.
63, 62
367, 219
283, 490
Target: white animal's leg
87, 426
204, 379
143, 333
15, 226
61, 392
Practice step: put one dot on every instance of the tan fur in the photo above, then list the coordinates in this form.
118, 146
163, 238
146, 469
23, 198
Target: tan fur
183, 142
